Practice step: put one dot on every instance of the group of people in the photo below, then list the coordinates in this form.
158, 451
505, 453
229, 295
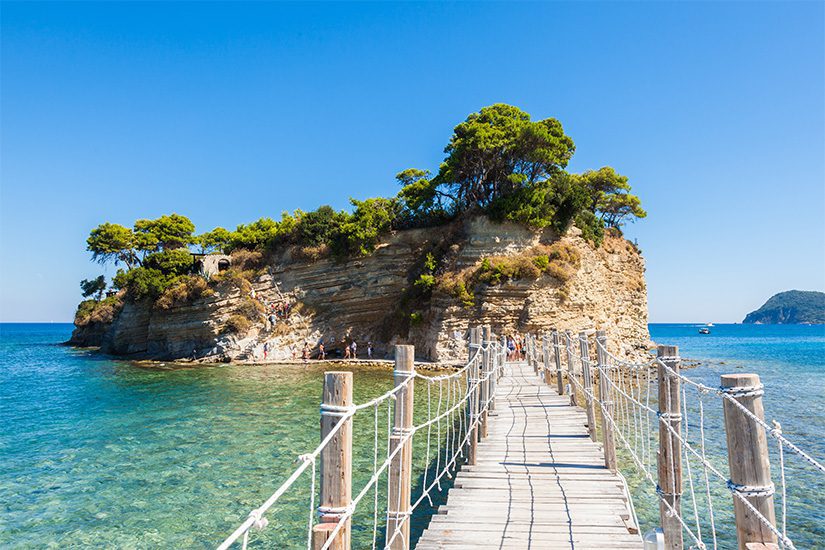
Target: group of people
516, 350
350, 351
277, 310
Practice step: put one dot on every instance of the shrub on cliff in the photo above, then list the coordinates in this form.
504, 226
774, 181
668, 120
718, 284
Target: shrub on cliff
501, 269
318, 227
237, 324
311, 253
97, 311
159, 271
234, 277
360, 233
247, 260
251, 309
185, 290
559, 260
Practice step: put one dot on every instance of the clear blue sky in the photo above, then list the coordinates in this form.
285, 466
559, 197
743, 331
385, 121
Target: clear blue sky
230, 112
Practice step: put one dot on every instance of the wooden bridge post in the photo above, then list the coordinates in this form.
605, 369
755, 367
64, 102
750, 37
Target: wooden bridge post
584, 348
484, 389
557, 359
608, 435
531, 352
493, 366
400, 475
669, 463
472, 397
750, 469
336, 463
545, 354
503, 355
571, 369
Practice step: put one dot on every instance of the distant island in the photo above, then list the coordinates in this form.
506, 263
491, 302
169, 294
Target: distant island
790, 307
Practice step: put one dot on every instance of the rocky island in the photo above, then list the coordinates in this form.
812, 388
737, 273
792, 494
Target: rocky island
790, 307
502, 234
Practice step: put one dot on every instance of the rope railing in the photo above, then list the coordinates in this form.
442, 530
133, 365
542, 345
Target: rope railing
449, 424
658, 416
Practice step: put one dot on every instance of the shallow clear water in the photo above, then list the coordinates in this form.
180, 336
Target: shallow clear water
98, 452
104, 453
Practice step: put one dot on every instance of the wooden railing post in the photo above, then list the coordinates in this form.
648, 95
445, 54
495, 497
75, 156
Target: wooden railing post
571, 369
669, 464
545, 354
584, 348
400, 475
557, 359
503, 355
473, 394
531, 352
336, 463
750, 469
493, 366
484, 389
608, 435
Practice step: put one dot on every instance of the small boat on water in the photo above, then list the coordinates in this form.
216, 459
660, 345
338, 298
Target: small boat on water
704, 330
709, 325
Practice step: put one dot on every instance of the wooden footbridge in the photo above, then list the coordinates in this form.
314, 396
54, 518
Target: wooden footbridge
504, 454
538, 480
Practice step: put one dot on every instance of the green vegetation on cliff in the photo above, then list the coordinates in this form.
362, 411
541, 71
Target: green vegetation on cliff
790, 307
498, 163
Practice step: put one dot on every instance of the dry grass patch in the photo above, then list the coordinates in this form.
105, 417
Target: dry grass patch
311, 253
189, 289
237, 324
93, 311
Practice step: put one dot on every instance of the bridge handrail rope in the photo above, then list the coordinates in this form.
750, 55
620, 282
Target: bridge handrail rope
450, 420
633, 418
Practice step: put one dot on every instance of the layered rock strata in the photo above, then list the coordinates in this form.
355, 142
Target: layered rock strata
362, 299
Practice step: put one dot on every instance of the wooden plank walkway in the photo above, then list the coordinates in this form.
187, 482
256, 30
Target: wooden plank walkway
539, 482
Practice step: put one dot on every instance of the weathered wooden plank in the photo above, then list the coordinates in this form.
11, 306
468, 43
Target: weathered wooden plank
538, 480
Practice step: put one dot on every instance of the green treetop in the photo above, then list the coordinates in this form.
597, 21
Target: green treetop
165, 233
112, 242
93, 287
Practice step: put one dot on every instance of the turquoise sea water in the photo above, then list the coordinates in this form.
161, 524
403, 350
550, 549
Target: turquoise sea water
790, 360
97, 452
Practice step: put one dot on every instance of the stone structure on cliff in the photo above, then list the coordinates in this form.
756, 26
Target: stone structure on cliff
359, 299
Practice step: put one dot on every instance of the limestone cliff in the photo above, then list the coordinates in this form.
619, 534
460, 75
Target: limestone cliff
364, 299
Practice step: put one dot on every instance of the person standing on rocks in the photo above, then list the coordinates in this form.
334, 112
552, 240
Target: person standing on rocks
321, 353
369, 350
354, 349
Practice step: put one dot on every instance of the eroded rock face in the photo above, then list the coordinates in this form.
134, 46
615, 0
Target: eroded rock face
361, 299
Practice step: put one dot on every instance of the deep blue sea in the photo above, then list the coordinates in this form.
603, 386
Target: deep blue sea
96, 452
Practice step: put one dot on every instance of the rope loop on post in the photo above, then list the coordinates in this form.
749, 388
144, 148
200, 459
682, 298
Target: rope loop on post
743, 391
752, 490
335, 512
661, 492
337, 410
677, 417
